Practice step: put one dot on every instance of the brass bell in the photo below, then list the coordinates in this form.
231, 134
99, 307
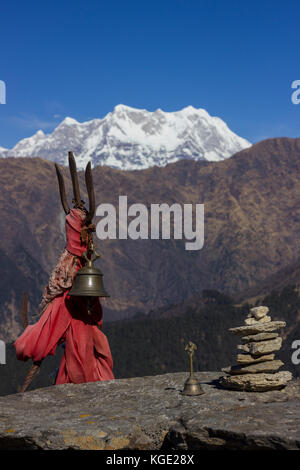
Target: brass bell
88, 281
192, 387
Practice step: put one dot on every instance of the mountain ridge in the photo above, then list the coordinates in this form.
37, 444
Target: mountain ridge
129, 138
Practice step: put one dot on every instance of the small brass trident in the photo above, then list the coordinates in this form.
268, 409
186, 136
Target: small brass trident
191, 386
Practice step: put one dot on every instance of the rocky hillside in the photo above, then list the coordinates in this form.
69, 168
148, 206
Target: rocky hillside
289, 275
252, 225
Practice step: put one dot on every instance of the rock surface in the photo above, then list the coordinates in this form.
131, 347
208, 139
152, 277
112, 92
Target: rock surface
265, 319
150, 413
262, 347
259, 312
257, 328
259, 382
258, 337
266, 366
250, 321
254, 321
265, 347
248, 359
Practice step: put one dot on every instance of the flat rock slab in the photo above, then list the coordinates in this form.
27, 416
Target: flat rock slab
254, 321
248, 359
260, 382
257, 328
265, 347
267, 366
260, 348
150, 413
258, 337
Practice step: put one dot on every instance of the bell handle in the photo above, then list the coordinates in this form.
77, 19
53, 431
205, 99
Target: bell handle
97, 255
94, 253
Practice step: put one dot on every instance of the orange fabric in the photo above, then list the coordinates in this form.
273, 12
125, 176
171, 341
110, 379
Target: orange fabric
87, 356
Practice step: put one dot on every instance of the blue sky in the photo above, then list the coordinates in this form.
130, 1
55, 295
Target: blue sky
236, 59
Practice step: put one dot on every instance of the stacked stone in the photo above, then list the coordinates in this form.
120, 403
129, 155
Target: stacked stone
257, 368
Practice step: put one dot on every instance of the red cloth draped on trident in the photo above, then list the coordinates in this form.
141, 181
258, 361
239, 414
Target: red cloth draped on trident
87, 356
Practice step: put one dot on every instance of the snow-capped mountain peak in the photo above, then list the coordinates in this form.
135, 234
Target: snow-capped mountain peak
129, 138
68, 121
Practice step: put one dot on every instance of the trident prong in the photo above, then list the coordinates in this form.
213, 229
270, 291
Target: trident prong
77, 201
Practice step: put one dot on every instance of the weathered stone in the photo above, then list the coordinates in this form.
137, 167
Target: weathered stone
248, 359
151, 413
257, 368
257, 328
265, 319
258, 337
265, 347
253, 321
250, 321
259, 312
243, 347
259, 348
256, 382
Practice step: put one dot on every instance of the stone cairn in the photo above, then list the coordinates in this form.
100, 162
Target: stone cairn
257, 368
